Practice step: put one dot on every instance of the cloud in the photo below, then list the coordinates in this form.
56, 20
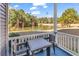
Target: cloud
33, 8
15, 6
39, 4
10, 7
45, 6
35, 12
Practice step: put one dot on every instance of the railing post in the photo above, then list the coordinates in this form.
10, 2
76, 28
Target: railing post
78, 45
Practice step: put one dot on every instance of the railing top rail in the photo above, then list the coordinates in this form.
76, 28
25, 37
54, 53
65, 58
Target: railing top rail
24, 36
69, 34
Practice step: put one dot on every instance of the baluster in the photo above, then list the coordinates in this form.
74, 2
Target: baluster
14, 47
21, 43
25, 39
11, 47
57, 40
78, 44
68, 41
60, 39
33, 37
72, 43
75, 44
63, 41
30, 37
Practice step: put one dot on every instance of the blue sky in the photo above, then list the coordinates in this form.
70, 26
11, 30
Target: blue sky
43, 9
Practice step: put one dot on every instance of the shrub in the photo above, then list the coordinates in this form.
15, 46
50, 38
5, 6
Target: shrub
13, 34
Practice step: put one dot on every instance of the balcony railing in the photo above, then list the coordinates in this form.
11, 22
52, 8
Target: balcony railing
67, 42
16, 44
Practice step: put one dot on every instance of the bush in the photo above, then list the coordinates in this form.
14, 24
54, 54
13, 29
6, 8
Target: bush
13, 34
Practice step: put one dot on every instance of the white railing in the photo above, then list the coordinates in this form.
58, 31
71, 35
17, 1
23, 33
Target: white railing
14, 41
68, 42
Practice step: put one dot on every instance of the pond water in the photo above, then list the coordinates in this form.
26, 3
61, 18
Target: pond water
40, 27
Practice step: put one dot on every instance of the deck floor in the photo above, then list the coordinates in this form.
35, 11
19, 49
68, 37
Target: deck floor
58, 52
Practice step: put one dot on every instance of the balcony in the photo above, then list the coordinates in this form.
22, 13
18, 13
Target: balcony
67, 44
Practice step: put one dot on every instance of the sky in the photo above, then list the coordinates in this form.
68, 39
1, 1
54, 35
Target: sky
44, 9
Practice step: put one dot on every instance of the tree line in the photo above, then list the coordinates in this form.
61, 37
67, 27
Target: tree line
20, 19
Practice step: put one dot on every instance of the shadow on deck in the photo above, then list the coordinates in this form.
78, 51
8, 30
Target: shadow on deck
58, 52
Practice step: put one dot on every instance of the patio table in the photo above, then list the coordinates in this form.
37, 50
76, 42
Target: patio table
38, 44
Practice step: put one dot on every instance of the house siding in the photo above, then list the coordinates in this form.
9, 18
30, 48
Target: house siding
3, 28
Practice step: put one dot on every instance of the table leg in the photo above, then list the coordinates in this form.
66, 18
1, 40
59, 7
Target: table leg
54, 48
27, 52
48, 51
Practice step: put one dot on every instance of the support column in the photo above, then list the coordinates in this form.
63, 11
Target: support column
55, 17
55, 22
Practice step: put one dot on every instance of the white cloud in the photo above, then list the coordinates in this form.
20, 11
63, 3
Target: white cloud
39, 4
45, 6
33, 8
35, 12
15, 6
10, 7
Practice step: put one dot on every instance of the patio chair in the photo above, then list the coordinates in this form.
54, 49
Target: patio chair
52, 40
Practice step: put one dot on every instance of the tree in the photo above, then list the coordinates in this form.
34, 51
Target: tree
68, 17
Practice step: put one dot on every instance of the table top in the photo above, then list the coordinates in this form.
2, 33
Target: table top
38, 44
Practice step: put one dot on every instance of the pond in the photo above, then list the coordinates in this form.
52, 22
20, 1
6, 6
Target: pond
33, 28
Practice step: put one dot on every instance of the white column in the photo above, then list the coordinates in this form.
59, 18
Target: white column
3, 29
55, 21
55, 17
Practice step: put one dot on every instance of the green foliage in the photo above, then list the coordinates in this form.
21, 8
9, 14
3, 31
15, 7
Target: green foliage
68, 17
46, 20
13, 34
20, 19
